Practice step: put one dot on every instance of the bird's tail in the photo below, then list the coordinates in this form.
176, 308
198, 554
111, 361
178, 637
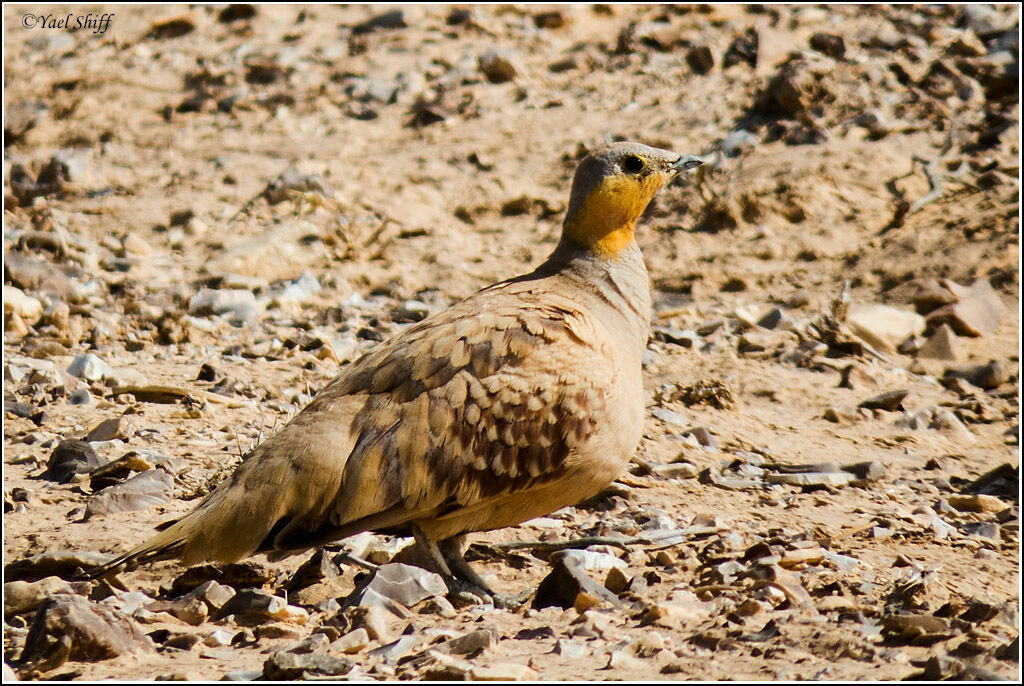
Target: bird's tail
277, 487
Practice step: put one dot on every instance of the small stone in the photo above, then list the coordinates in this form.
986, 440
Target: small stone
109, 429
376, 621
649, 644
353, 642
890, 401
439, 606
585, 601
802, 556
182, 641
675, 470
290, 181
189, 610
83, 630
91, 368
617, 582
834, 479
976, 503
16, 302
948, 423
311, 644
704, 437
566, 581
63, 563
941, 345
776, 318
843, 415
830, 44
754, 342
395, 650
144, 490
468, 644
242, 675
70, 457
986, 376
497, 66
322, 595
866, 471
393, 19
701, 59
274, 630
668, 416
434, 665
171, 28
570, 649
24, 596
553, 19
238, 306
285, 666
405, 584
977, 312
988, 530
505, 671
218, 638
252, 607
213, 594
80, 397
884, 327
318, 568
621, 659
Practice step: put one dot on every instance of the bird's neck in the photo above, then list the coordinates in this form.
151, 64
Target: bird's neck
603, 221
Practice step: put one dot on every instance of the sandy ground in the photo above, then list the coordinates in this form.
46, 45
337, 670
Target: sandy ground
880, 165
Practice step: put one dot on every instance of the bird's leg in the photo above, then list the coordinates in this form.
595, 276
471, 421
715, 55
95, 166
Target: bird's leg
451, 551
461, 590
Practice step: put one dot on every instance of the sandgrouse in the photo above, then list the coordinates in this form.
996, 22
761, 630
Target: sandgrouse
519, 400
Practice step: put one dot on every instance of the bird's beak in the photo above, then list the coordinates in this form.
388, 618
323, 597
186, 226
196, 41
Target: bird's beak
686, 163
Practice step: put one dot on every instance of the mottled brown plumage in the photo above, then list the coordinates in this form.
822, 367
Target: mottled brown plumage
523, 398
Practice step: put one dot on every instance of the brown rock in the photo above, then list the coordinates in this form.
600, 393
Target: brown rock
700, 59
977, 312
931, 295
497, 66
353, 642
24, 596
566, 581
889, 402
987, 376
109, 429
882, 326
63, 563
73, 628
941, 345
70, 457
468, 644
976, 503
283, 666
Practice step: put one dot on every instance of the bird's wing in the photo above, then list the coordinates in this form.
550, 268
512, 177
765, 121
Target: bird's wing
470, 404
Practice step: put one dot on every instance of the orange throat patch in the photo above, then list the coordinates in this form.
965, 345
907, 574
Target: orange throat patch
605, 221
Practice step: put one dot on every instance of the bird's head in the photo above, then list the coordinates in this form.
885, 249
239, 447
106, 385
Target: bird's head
612, 188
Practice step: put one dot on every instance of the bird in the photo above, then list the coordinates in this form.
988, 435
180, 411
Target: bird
523, 398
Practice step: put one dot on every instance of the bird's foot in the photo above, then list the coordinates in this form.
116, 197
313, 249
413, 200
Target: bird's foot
512, 601
464, 593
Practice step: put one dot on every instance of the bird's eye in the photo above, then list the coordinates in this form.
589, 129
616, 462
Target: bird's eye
633, 164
